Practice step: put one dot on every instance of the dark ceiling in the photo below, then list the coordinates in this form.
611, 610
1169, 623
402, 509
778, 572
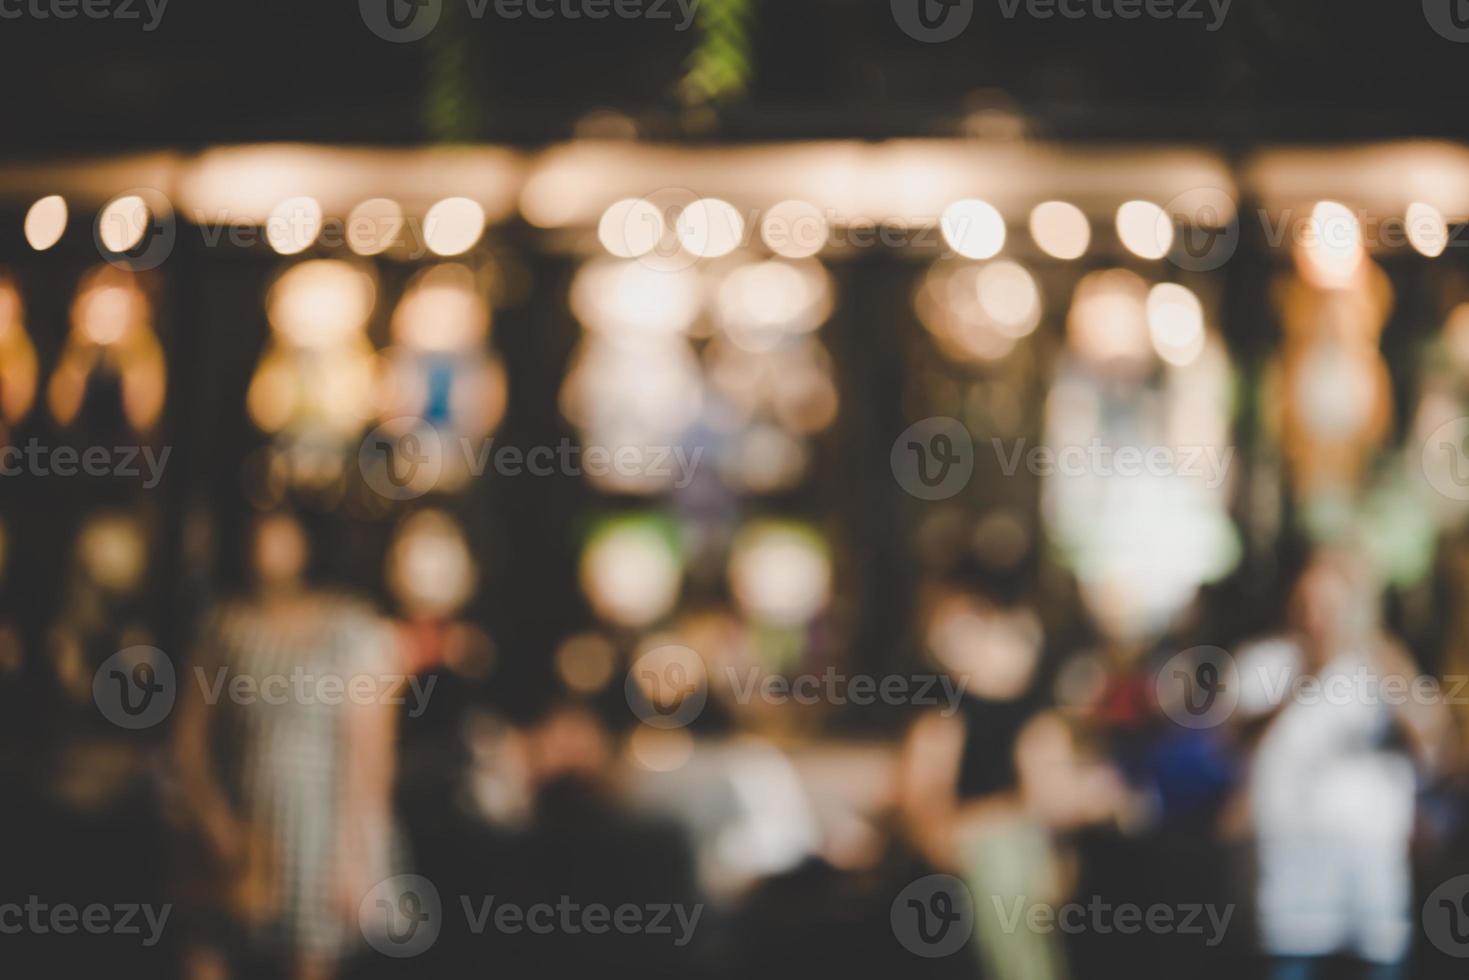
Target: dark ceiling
247, 70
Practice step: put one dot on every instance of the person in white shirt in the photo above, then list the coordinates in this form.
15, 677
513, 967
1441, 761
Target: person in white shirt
1333, 780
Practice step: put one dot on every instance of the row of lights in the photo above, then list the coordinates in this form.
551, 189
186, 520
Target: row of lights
451, 226
711, 228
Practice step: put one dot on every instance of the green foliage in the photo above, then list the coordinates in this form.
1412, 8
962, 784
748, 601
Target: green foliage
719, 68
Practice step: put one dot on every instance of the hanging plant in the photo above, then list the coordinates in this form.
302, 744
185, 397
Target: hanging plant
720, 67
449, 108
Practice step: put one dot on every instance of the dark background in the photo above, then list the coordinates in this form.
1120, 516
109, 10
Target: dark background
219, 71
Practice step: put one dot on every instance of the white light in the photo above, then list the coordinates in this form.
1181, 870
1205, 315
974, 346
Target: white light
123, 222
973, 228
45, 222
1332, 246
373, 226
1145, 229
1010, 298
710, 228
453, 225
1175, 323
1108, 323
320, 303
631, 574
629, 300
761, 304
1060, 229
794, 229
1427, 231
294, 225
441, 310
780, 573
631, 228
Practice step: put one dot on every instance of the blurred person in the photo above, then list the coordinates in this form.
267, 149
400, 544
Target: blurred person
431, 576
106, 600
111, 378
1332, 783
586, 846
831, 916
984, 790
291, 795
735, 790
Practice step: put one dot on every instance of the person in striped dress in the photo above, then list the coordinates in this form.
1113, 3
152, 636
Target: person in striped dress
290, 781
